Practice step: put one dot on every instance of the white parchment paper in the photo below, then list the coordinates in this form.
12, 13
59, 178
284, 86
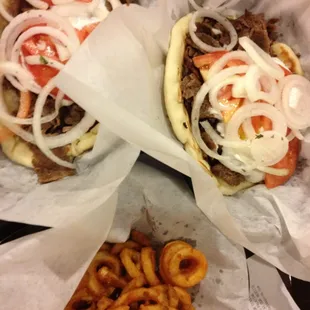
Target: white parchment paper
125, 63
62, 202
41, 271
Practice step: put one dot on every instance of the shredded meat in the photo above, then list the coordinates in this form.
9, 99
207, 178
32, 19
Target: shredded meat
254, 26
208, 141
230, 177
190, 86
47, 170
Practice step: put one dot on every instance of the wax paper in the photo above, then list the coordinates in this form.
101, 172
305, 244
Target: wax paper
125, 57
41, 271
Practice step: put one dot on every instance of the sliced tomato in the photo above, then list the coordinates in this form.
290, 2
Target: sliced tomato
207, 60
85, 31
234, 103
40, 44
288, 162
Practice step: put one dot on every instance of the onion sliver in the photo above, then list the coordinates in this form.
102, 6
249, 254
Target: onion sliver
219, 140
261, 58
253, 86
38, 4
222, 62
50, 62
238, 90
226, 73
275, 171
295, 101
4, 13
77, 8
213, 95
195, 122
255, 109
269, 148
37, 130
248, 128
219, 18
56, 2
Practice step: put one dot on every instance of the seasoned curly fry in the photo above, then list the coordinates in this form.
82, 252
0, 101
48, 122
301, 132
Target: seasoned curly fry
149, 265
193, 273
83, 299
109, 278
135, 283
131, 261
173, 297
118, 247
185, 298
104, 303
140, 238
141, 294
102, 259
123, 276
105, 247
168, 251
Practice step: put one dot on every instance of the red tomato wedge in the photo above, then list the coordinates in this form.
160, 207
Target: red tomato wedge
288, 162
207, 60
85, 31
44, 46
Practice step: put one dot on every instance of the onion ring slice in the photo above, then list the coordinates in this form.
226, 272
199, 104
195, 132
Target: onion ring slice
219, 18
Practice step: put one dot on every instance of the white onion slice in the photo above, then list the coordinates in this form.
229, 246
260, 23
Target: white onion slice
261, 58
226, 73
37, 130
38, 4
269, 148
219, 140
255, 109
62, 51
50, 62
295, 101
213, 95
76, 8
195, 122
238, 90
275, 171
195, 5
253, 85
219, 18
3, 11
298, 134
248, 128
220, 64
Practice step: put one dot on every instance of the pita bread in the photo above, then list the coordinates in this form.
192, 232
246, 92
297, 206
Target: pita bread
176, 110
18, 150
15, 148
